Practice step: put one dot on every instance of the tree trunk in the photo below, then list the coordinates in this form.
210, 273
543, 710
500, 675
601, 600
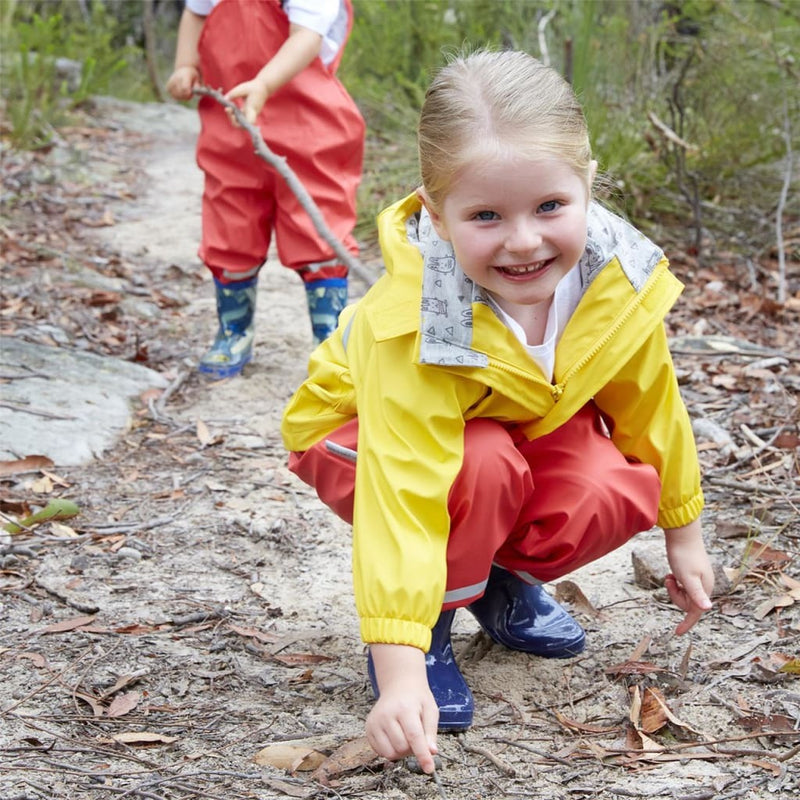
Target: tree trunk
148, 23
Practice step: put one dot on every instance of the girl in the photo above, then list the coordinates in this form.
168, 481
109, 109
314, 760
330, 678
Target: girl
280, 59
501, 407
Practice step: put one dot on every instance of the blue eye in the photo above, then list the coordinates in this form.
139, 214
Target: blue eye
486, 216
550, 205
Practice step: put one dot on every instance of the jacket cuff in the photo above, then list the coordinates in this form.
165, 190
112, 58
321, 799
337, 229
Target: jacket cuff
682, 515
377, 630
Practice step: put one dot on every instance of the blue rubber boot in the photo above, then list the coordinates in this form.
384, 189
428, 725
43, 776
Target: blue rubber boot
447, 684
524, 617
233, 345
326, 299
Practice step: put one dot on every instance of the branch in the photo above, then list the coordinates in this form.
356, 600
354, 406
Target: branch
281, 166
542, 38
669, 134
787, 182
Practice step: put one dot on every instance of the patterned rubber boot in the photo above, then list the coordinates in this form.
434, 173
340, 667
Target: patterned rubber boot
447, 684
326, 299
233, 345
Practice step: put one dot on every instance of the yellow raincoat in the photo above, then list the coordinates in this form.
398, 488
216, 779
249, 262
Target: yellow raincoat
413, 389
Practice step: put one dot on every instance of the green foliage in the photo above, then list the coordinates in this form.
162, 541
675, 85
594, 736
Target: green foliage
52, 63
719, 75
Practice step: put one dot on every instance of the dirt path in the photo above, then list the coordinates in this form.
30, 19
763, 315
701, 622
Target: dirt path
200, 609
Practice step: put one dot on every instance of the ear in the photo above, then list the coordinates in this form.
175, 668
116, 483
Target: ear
436, 217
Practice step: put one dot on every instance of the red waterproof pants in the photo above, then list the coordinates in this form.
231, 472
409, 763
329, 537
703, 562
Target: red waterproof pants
311, 121
539, 508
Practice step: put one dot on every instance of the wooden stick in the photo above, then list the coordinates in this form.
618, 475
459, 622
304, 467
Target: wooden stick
281, 166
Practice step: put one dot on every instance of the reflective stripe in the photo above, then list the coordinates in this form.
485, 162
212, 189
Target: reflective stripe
235, 277
318, 265
465, 593
345, 452
526, 576
346, 332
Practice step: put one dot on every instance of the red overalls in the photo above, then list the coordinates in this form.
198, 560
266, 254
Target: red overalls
540, 508
312, 121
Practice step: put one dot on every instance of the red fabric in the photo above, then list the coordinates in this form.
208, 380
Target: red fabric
545, 507
311, 121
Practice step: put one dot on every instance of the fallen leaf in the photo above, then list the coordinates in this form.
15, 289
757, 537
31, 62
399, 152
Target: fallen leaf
62, 531
123, 704
37, 658
55, 509
291, 757
582, 726
652, 716
758, 551
289, 789
27, 464
42, 485
301, 659
781, 601
203, 434
69, 624
775, 769
570, 592
634, 668
792, 667
355, 754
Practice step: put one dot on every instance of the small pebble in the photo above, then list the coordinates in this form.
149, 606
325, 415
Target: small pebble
412, 765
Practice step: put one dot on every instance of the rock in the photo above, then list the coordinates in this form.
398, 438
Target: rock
65, 404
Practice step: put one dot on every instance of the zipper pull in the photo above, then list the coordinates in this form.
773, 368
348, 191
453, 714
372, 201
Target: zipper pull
557, 390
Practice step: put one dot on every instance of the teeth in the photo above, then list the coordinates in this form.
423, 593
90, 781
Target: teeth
523, 270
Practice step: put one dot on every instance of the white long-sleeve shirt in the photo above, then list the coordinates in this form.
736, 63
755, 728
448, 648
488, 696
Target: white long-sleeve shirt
328, 18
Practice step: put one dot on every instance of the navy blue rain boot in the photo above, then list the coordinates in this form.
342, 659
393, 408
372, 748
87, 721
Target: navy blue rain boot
524, 617
326, 299
233, 345
449, 689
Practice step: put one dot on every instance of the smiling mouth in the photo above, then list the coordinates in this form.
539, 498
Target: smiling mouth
525, 269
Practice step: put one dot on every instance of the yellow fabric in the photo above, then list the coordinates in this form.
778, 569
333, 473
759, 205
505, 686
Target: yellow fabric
411, 417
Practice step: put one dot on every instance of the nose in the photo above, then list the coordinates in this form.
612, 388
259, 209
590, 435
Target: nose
523, 236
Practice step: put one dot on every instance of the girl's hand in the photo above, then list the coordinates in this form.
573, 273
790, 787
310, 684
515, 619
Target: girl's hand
404, 719
182, 81
255, 94
692, 579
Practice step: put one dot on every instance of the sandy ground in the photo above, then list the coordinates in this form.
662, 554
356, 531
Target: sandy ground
201, 609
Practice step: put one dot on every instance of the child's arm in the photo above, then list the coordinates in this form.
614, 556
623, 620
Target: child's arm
692, 580
405, 717
295, 54
186, 73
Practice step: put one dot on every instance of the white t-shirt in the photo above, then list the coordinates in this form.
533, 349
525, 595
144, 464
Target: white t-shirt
565, 301
328, 18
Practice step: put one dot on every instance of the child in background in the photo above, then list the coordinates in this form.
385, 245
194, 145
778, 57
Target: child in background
280, 59
501, 407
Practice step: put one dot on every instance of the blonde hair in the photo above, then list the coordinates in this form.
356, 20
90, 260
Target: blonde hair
487, 104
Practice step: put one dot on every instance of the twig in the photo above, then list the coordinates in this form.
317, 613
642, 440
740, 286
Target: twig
107, 528
536, 752
57, 676
36, 412
669, 134
438, 781
169, 391
545, 54
787, 180
84, 608
745, 486
490, 756
281, 166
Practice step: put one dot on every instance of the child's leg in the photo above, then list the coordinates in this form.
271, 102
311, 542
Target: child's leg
588, 500
238, 207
